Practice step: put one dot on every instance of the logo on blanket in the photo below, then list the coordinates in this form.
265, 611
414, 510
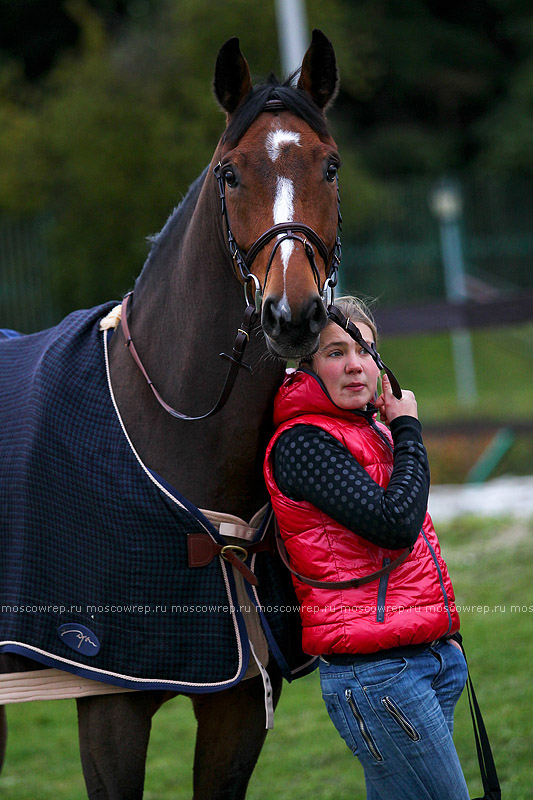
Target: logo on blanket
79, 638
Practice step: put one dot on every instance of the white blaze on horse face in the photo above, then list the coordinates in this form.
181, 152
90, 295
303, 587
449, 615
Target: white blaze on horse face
283, 210
277, 139
283, 202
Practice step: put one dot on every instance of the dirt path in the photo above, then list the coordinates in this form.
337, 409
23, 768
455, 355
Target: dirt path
508, 496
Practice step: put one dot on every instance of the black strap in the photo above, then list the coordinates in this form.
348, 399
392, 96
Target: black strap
336, 315
489, 776
354, 583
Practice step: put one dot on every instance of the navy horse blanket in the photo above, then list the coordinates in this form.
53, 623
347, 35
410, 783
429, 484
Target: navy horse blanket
94, 575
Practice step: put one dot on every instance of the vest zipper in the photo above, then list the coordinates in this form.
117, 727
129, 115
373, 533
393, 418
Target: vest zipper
382, 593
398, 715
380, 434
365, 733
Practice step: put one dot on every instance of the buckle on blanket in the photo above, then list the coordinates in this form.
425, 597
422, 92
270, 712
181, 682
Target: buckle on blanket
202, 549
239, 551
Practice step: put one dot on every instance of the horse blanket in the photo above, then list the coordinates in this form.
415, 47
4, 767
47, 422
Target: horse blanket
94, 575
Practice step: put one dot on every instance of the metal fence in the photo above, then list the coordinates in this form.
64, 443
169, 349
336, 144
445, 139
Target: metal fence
394, 256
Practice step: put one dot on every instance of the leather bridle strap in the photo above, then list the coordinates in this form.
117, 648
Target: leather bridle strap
242, 261
336, 315
354, 583
288, 228
235, 359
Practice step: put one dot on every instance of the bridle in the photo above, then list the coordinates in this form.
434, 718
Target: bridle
282, 232
242, 262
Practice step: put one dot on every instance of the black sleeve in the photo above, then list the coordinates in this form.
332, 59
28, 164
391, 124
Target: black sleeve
311, 465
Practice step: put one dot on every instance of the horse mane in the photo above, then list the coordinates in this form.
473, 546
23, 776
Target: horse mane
181, 211
293, 98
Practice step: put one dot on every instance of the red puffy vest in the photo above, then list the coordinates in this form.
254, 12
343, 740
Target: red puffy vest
413, 604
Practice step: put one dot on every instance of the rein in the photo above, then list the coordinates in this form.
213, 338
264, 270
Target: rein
235, 359
336, 315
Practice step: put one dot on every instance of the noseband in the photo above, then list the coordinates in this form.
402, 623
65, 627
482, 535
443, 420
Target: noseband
284, 231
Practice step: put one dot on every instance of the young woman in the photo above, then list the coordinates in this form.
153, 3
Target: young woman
377, 605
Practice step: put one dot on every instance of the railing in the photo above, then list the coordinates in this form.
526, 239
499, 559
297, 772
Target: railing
394, 255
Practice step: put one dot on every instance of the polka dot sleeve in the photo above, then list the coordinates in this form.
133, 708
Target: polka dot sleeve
311, 465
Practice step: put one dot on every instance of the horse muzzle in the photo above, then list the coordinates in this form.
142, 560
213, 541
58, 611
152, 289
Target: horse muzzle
293, 333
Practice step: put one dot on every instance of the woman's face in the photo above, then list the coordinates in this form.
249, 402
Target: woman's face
349, 373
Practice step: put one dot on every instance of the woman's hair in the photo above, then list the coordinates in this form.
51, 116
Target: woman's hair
356, 311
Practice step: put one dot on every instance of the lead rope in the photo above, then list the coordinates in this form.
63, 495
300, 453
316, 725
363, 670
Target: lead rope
487, 767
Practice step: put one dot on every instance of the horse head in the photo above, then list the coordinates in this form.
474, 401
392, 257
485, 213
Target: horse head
277, 169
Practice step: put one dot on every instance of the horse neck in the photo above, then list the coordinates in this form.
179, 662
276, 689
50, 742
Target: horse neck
187, 308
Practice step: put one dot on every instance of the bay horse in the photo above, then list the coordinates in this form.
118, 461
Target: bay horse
264, 217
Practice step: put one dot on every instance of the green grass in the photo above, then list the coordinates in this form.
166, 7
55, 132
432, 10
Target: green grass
503, 359
491, 564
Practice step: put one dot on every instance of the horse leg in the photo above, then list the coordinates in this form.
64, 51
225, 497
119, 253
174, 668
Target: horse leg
114, 731
231, 732
3, 735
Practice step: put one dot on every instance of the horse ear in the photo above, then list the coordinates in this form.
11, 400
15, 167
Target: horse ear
232, 80
319, 76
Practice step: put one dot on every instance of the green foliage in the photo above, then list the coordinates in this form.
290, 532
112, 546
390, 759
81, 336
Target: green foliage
444, 83
507, 133
116, 133
110, 138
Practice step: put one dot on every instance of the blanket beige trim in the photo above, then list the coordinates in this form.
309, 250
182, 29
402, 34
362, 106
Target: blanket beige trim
50, 684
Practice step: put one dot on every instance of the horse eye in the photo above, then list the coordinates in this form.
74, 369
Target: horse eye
230, 178
331, 172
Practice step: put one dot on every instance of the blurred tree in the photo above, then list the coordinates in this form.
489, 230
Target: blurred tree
112, 137
441, 68
35, 33
118, 118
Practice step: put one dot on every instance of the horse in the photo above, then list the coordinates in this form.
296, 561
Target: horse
261, 220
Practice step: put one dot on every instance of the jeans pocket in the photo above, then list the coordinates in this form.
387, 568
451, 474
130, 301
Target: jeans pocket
380, 673
400, 718
451, 663
337, 716
362, 726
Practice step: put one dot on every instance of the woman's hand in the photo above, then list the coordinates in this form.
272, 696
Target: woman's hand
390, 407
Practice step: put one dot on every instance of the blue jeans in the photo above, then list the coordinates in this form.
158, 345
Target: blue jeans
396, 715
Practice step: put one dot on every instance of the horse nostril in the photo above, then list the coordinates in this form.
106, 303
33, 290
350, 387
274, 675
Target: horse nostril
316, 314
275, 314
270, 318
